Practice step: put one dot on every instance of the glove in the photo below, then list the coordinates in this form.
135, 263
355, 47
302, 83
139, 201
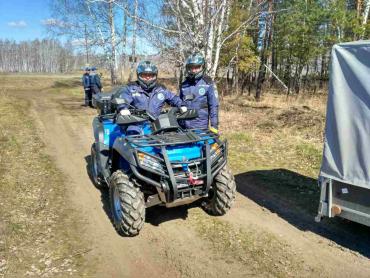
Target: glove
125, 112
183, 109
214, 130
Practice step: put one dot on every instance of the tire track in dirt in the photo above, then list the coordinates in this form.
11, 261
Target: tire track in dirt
168, 246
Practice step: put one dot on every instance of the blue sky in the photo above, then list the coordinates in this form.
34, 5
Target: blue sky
22, 19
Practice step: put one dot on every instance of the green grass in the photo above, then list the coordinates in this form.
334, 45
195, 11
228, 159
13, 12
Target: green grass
310, 155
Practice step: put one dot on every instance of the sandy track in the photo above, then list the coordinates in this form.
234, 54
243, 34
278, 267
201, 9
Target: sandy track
168, 246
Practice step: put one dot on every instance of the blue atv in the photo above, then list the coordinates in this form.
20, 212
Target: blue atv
147, 161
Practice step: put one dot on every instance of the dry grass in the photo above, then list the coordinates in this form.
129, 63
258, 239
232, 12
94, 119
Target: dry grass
277, 143
264, 253
273, 125
39, 235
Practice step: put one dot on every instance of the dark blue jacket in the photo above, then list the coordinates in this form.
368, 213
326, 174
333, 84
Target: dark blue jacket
86, 81
204, 99
95, 80
152, 101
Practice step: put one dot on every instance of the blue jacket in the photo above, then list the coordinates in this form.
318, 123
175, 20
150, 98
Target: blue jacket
86, 81
95, 80
204, 99
152, 101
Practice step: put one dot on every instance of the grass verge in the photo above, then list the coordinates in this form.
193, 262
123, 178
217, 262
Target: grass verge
39, 234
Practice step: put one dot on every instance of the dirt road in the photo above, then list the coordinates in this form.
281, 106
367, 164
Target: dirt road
182, 242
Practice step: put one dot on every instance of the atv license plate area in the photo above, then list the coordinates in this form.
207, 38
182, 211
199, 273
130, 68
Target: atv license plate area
182, 185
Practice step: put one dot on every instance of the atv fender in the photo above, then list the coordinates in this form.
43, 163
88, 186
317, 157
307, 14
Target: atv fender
102, 156
98, 130
125, 151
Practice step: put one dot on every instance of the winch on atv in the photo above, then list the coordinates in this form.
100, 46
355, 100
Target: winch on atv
147, 161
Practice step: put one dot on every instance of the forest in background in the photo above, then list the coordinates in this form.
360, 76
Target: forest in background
249, 45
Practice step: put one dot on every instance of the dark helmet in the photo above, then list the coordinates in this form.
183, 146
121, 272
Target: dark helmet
195, 59
93, 68
87, 68
147, 67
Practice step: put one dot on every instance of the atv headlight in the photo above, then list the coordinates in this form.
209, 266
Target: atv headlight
150, 162
215, 151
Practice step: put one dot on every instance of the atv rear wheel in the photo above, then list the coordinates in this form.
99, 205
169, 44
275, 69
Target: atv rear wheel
222, 193
98, 181
127, 205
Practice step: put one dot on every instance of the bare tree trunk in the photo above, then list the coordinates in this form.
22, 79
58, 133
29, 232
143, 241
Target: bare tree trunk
225, 12
113, 58
133, 54
306, 75
86, 45
124, 40
297, 77
263, 55
322, 71
365, 16
359, 8
236, 79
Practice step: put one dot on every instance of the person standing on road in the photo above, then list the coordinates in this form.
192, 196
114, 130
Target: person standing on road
95, 83
86, 85
198, 92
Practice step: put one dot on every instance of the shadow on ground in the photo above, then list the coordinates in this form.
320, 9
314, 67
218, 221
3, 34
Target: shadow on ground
295, 198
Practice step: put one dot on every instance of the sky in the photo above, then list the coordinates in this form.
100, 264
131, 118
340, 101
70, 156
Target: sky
22, 19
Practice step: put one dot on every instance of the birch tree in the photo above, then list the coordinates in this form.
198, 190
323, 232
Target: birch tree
36, 56
204, 26
134, 33
199, 26
90, 24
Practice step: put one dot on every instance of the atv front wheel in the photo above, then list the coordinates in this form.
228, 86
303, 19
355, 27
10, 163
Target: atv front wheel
127, 205
99, 183
222, 193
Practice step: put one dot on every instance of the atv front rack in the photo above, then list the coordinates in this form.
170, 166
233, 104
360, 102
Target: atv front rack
171, 138
178, 184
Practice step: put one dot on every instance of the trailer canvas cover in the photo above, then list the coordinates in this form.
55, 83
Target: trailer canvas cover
346, 155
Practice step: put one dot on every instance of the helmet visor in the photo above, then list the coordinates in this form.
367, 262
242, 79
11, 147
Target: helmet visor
147, 77
194, 69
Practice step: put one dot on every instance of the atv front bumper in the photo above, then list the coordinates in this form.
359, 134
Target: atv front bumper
182, 180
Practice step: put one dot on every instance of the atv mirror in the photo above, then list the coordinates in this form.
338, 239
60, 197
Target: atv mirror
188, 115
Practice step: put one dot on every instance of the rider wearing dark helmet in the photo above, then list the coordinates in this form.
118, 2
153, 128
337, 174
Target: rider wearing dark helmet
146, 93
198, 92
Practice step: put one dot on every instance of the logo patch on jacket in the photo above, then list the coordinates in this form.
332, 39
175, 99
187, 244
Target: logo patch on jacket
202, 91
160, 96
